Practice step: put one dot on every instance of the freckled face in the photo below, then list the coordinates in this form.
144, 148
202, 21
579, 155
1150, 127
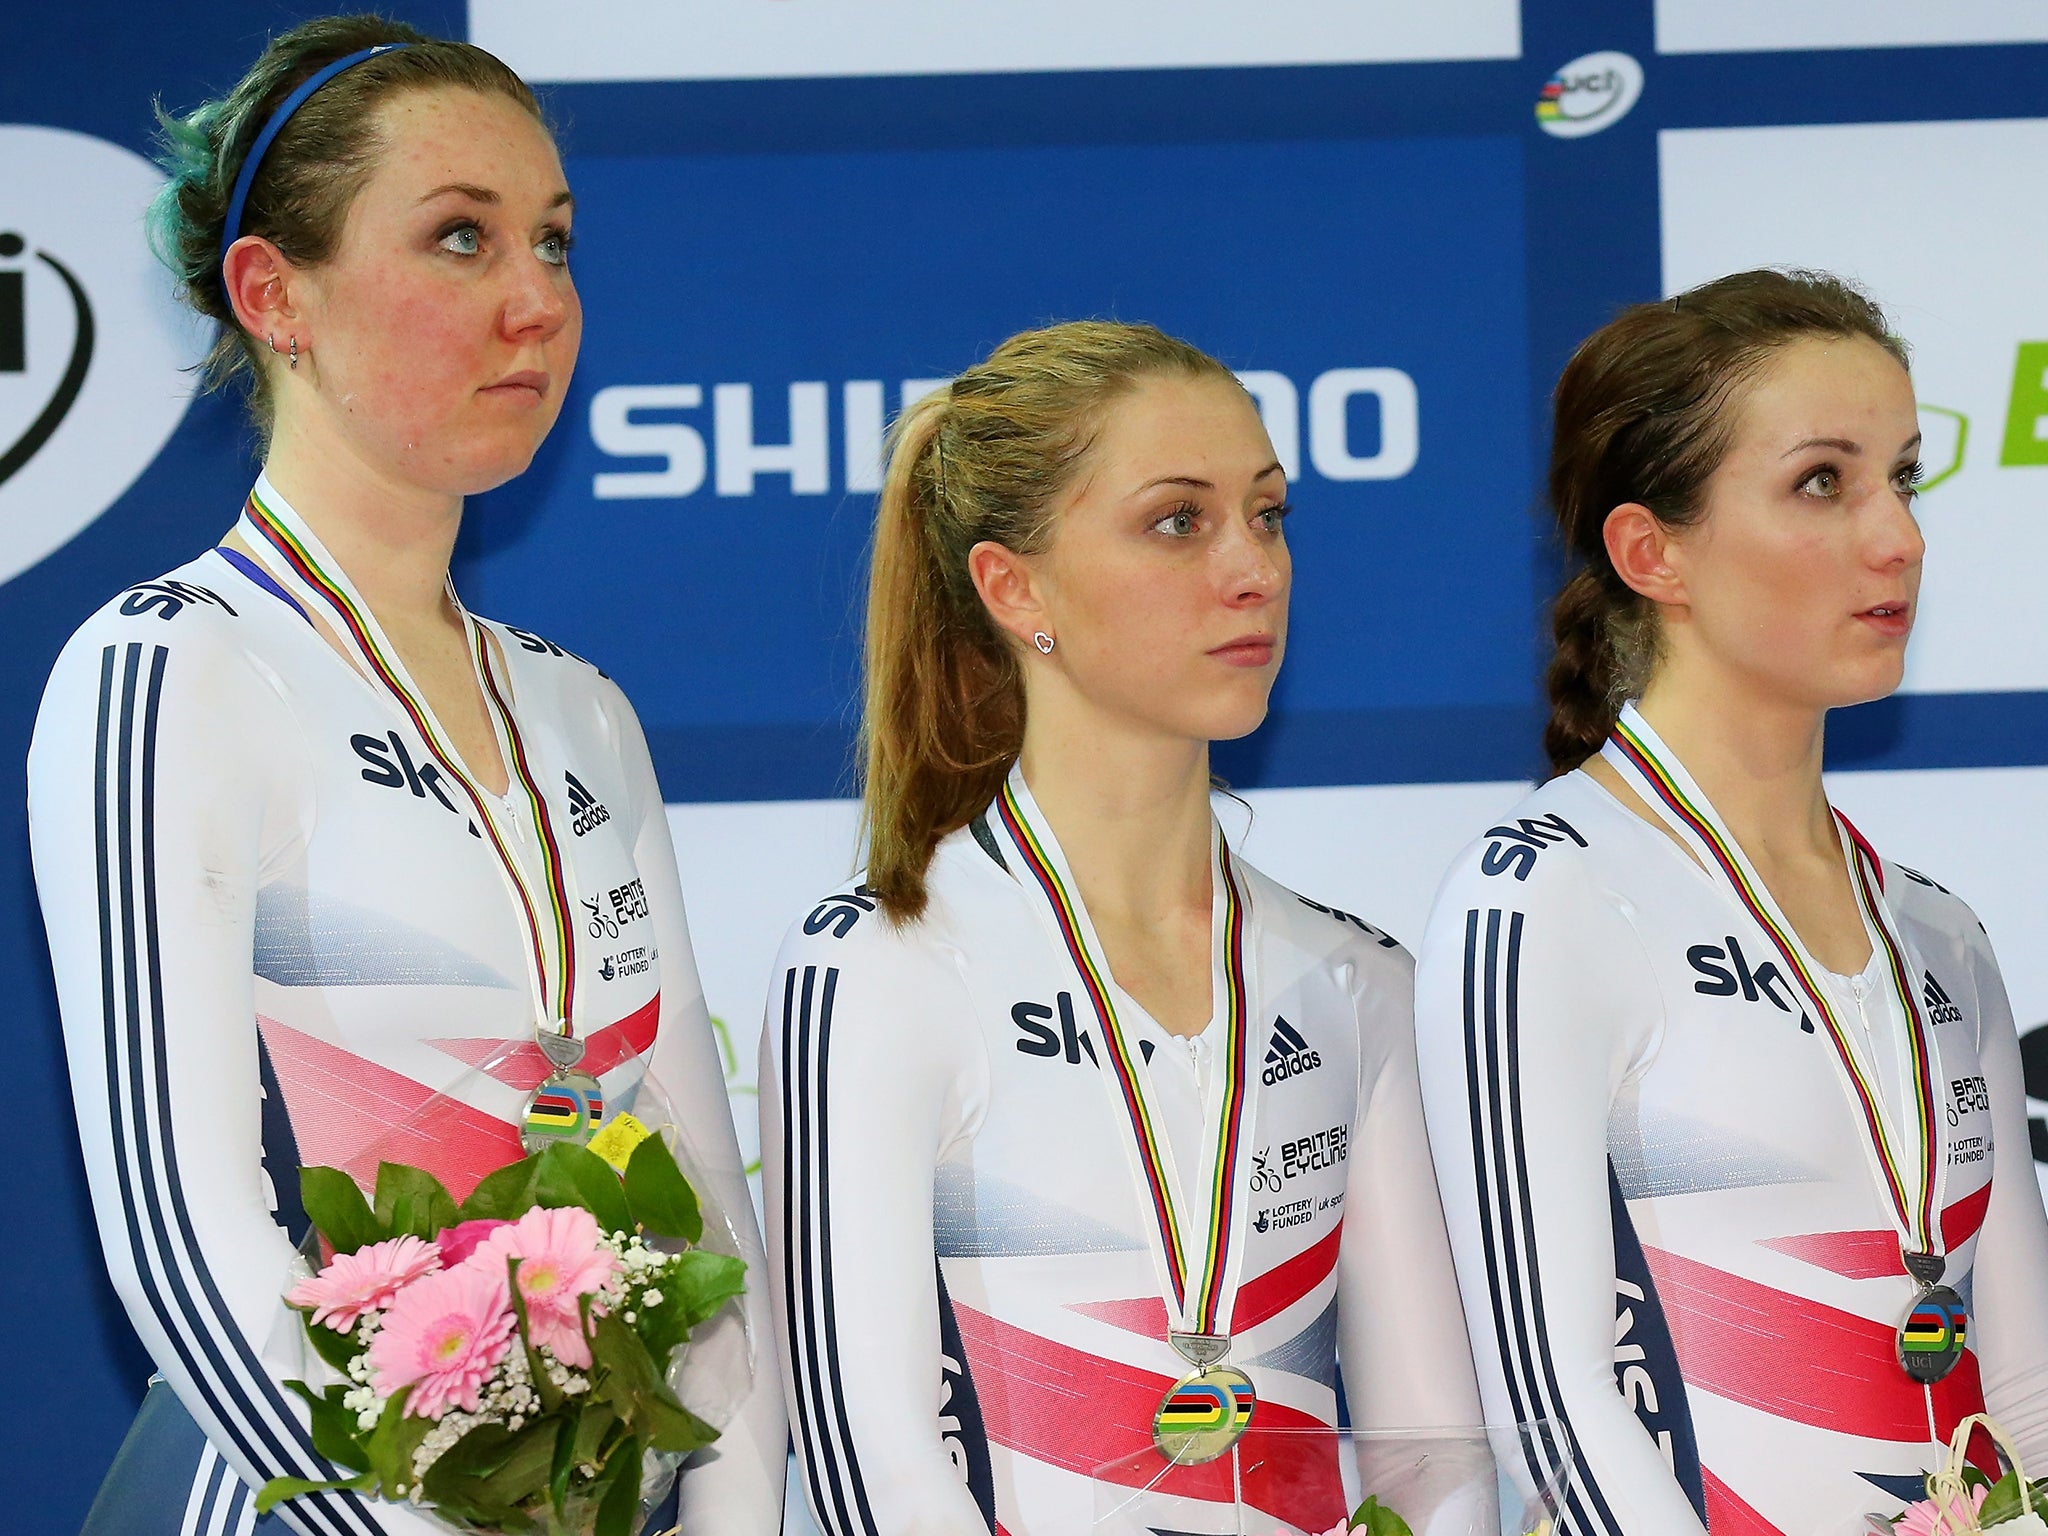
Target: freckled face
1804, 572
1167, 580
445, 328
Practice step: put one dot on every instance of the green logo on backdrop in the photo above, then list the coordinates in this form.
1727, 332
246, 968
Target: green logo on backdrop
2026, 415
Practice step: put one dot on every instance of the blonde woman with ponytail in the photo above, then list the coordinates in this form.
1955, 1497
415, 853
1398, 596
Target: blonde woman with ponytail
1728, 1109
1063, 1104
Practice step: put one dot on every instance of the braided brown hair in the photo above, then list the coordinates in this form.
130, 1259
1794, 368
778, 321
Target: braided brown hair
1645, 412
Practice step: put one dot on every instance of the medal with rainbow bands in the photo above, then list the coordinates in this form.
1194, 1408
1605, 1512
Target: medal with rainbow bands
1931, 1339
1211, 1406
569, 1105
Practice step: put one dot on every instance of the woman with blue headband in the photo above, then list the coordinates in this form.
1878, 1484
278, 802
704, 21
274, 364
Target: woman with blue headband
336, 872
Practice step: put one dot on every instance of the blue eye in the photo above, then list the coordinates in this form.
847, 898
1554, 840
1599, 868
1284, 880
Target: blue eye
1178, 523
554, 247
1271, 518
463, 240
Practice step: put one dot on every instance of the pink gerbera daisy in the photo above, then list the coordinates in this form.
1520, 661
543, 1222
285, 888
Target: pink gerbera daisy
364, 1281
1920, 1519
443, 1337
560, 1261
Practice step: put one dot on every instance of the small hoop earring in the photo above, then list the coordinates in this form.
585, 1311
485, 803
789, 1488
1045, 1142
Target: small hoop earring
1044, 642
273, 342
295, 354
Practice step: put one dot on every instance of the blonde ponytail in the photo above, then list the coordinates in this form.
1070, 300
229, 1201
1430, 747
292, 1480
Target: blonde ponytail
984, 460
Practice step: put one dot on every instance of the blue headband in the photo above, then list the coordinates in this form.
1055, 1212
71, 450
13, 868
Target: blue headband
253, 161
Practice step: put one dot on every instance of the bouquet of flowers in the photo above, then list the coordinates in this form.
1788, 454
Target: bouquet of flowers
505, 1360
1962, 1501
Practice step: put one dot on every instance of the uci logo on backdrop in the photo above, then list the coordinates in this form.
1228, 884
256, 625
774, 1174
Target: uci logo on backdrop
1594, 91
92, 348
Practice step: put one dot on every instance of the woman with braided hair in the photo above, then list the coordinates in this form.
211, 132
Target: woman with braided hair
1727, 1108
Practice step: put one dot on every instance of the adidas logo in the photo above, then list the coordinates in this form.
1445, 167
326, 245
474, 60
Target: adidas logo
1288, 1055
586, 811
1941, 1008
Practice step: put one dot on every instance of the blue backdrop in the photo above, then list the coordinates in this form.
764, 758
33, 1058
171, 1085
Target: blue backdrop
765, 266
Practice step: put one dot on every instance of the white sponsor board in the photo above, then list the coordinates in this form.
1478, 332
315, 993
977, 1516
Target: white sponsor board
92, 346
1744, 26
770, 39
1935, 220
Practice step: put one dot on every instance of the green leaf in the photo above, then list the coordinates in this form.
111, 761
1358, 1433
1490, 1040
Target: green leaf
622, 1371
391, 1444
568, 1427
2002, 1503
490, 1471
693, 1286
335, 1435
575, 1176
525, 1469
506, 1194
479, 1453
338, 1209
411, 1200
1375, 1519
592, 1426
622, 1499
668, 1426
2006, 1504
337, 1349
661, 1198
278, 1489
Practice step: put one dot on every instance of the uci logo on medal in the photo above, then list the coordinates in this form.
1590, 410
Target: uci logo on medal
92, 348
1594, 91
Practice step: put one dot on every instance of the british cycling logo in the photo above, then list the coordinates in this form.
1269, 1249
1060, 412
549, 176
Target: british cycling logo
1594, 91
92, 348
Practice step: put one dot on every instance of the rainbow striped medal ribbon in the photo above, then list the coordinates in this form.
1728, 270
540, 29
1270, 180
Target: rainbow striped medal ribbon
569, 1105
1910, 1168
1211, 1406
